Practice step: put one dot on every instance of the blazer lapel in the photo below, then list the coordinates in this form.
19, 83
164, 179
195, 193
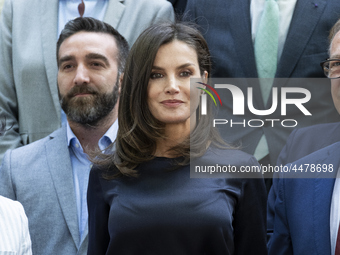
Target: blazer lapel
305, 18
49, 36
114, 12
84, 238
322, 204
239, 13
321, 214
60, 167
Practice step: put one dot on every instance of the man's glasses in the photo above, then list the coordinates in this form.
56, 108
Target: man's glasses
81, 8
331, 68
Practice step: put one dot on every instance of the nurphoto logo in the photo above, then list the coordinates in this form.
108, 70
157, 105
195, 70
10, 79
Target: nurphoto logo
204, 97
282, 98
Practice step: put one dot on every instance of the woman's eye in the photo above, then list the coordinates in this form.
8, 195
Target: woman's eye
185, 74
96, 64
156, 75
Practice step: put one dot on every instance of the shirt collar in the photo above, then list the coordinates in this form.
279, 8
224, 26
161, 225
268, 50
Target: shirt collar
104, 141
79, 1
109, 137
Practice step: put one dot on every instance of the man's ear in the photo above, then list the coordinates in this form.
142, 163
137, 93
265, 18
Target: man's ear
120, 82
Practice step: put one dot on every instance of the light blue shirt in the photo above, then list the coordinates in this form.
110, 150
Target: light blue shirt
81, 167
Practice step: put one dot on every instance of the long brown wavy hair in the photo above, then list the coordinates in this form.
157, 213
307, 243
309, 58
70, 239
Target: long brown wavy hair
138, 129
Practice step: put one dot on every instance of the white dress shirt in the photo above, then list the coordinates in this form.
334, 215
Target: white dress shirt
14, 233
335, 213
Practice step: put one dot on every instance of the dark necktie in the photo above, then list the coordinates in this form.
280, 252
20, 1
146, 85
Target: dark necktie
81, 8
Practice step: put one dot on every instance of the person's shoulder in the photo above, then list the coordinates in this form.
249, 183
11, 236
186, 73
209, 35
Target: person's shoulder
321, 129
5, 200
10, 205
323, 163
149, 3
20, 5
32, 149
102, 173
306, 140
102, 179
230, 155
327, 152
11, 209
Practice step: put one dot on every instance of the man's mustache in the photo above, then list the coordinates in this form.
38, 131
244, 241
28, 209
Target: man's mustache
84, 89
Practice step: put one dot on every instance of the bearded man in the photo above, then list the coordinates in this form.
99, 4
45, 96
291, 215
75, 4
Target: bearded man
49, 177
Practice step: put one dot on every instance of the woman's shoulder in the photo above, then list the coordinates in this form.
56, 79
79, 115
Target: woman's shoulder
225, 163
102, 174
230, 156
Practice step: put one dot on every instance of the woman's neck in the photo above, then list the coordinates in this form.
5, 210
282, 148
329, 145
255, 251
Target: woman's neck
174, 134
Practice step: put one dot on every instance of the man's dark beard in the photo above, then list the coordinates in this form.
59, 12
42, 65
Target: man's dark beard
88, 110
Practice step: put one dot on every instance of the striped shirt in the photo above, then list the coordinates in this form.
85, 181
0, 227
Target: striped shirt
14, 234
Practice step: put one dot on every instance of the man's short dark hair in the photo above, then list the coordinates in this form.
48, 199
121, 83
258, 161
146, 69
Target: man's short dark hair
88, 24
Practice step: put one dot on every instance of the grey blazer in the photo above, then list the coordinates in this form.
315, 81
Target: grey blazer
40, 177
28, 67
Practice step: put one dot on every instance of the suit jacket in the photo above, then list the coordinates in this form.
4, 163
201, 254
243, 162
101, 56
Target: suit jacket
300, 143
28, 68
303, 141
302, 208
14, 233
40, 177
1, 4
179, 6
226, 25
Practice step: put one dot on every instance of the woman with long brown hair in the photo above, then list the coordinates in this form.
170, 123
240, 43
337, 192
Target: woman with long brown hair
141, 198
